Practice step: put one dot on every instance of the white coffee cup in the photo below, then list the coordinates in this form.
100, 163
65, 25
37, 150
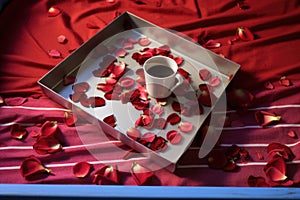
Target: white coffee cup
161, 76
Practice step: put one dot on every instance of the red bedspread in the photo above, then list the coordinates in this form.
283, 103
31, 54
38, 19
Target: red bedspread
270, 71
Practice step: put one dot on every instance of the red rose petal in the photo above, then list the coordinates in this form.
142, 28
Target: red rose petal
176, 106
162, 101
69, 79
141, 174
47, 145
70, 118
214, 81
275, 175
127, 82
111, 96
105, 87
183, 73
118, 69
174, 137
140, 72
82, 169
61, 39
185, 127
259, 155
49, 128
54, 53
173, 118
120, 52
53, 11
106, 175
178, 60
210, 44
141, 105
15, 101
76, 97
217, 159
81, 87
144, 41
160, 123
244, 34
207, 99
157, 109
1, 101
159, 144
92, 25
110, 120
257, 181
268, 85
147, 138
292, 134
97, 101
280, 150
240, 98
204, 74
264, 118
18, 132
285, 82
32, 166
133, 133
34, 134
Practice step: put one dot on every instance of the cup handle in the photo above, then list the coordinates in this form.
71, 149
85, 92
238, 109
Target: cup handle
179, 81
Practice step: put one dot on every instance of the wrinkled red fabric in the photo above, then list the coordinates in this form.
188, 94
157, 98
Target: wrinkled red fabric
27, 34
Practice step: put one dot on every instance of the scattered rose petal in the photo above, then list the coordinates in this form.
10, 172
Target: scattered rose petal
214, 81
127, 82
268, 85
110, 120
106, 175
173, 118
15, 101
159, 144
61, 39
259, 156
32, 166
183, 73
285, 82
292, 134
147, 138
97, 101
34, 134
105, 87
264, 118
54, 53
174, 137
178, 60
49, 128
144, 41
280, 150
76, 97
18, 132
230, 166
120, 52
204, 74
47, 145
141, 174
276, 173
257, 181
240, 98
206, 98
210, 44
185, 127
140, 72
92, 25
160, 123
70, 118
176, 106
162, 101
217, 159
244, 34
69, 79
53, 11
81, 87
82, 169
1, 101
157, 109
133, 133
144, 120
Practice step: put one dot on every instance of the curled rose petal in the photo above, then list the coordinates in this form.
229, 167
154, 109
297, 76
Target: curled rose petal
174, 137
176, 106
257, 181
32, 166
210, 44
173, 118
141, 174
144, 41
70, 118
81, 87
183, 73
204, 74
54, 53
133, 133
162, 101
244, 34
110, 120
15, 101
185, 127
217, 159
264, 118
49, 128
280, 150
105, 87
18, 132
82, 169
106, 175
47, 145
285, 82
268, 85
62, 39
53, 11
292, 134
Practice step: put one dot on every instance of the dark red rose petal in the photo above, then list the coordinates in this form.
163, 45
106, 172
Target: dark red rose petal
54, 53
280, 150
18, 132
159, 144
174, 137
244, 34
207, 99
240, 98
97, 101
82, 169
157, 109
178, 60
53, 11
47, 145
141, 105
111, 96
210, 44
160, 123
162, 101
106, 88
264, 118
69, 79
257, 181
176, 106
49, 128
217, 159
15, 101
32, 166
118, 69
81, 87
173, 118
183, 73
185, 127
133, 133
110, 120
204, 74
141, 174
70, 118
144, 41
